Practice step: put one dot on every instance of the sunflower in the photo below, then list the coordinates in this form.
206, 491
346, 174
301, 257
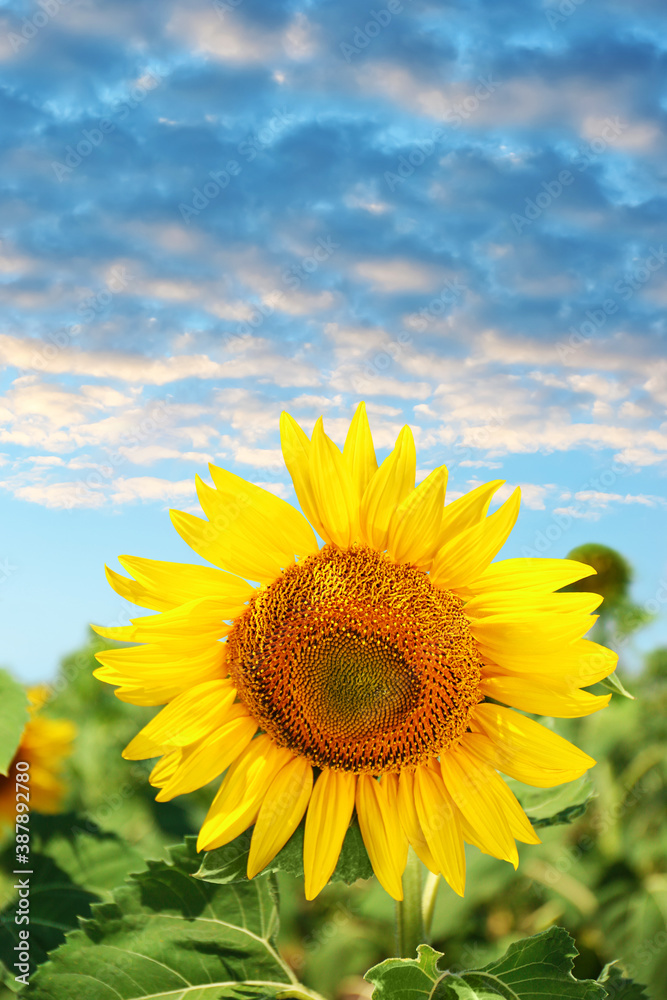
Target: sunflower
379, 672
45, 743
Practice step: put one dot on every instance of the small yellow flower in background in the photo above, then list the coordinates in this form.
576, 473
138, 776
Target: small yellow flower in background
378, 673
45, 745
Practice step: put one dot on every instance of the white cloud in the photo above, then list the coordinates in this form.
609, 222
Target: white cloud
266, 458
150, 453
480, 464
633, 411
231, 40
45, 460
640, 457
398, 275
592, 504
261, 363
533, 495
578, 512
60, 496
597, 498
150, 488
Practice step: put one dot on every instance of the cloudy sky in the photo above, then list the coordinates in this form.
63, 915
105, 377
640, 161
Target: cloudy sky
213, 211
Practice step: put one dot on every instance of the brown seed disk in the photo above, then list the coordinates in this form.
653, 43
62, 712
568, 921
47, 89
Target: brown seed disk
356, 663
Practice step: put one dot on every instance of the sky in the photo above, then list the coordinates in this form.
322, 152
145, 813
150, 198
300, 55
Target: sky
214, 211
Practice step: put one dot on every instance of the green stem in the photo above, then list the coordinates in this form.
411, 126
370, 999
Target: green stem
409, 922
429, 897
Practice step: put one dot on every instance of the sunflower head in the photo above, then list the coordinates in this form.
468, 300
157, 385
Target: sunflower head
382, 668
45, 745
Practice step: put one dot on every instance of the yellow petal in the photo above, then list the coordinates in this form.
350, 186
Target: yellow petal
468, 510
582, 662
183, 582
119, 633
136, 593
296, 453
532, 574
148, 675
153, 660
539, 697
359, 452
241, 532
204, 618
38, 695
49, 739
466, 783
526, 750
467, 554
410, 820
165, 768
143, 748
280, 813
206, 759
415, 524
241, 793
383, 835
187, 718
272, 522
439, 819
389, 486
522, 603
335, 493
519, 824
328, 817
501, 635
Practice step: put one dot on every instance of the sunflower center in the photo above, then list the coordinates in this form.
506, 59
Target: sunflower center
356, 663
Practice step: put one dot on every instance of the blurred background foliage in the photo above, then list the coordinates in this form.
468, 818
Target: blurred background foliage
603, 877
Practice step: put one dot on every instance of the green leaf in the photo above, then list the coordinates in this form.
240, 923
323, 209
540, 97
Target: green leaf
620, 988
74, 863
536, 968
13, 717
94, 858
613, 683
168, 935
56, 903
551, 806
396, 978
228, 864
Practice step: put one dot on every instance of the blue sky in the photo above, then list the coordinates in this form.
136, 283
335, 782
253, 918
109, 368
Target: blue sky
211, 212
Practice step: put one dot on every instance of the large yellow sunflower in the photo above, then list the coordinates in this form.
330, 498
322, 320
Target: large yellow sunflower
45, 744
379, 672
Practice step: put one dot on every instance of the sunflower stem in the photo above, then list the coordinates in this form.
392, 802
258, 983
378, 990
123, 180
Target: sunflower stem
409, 921
429, 897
